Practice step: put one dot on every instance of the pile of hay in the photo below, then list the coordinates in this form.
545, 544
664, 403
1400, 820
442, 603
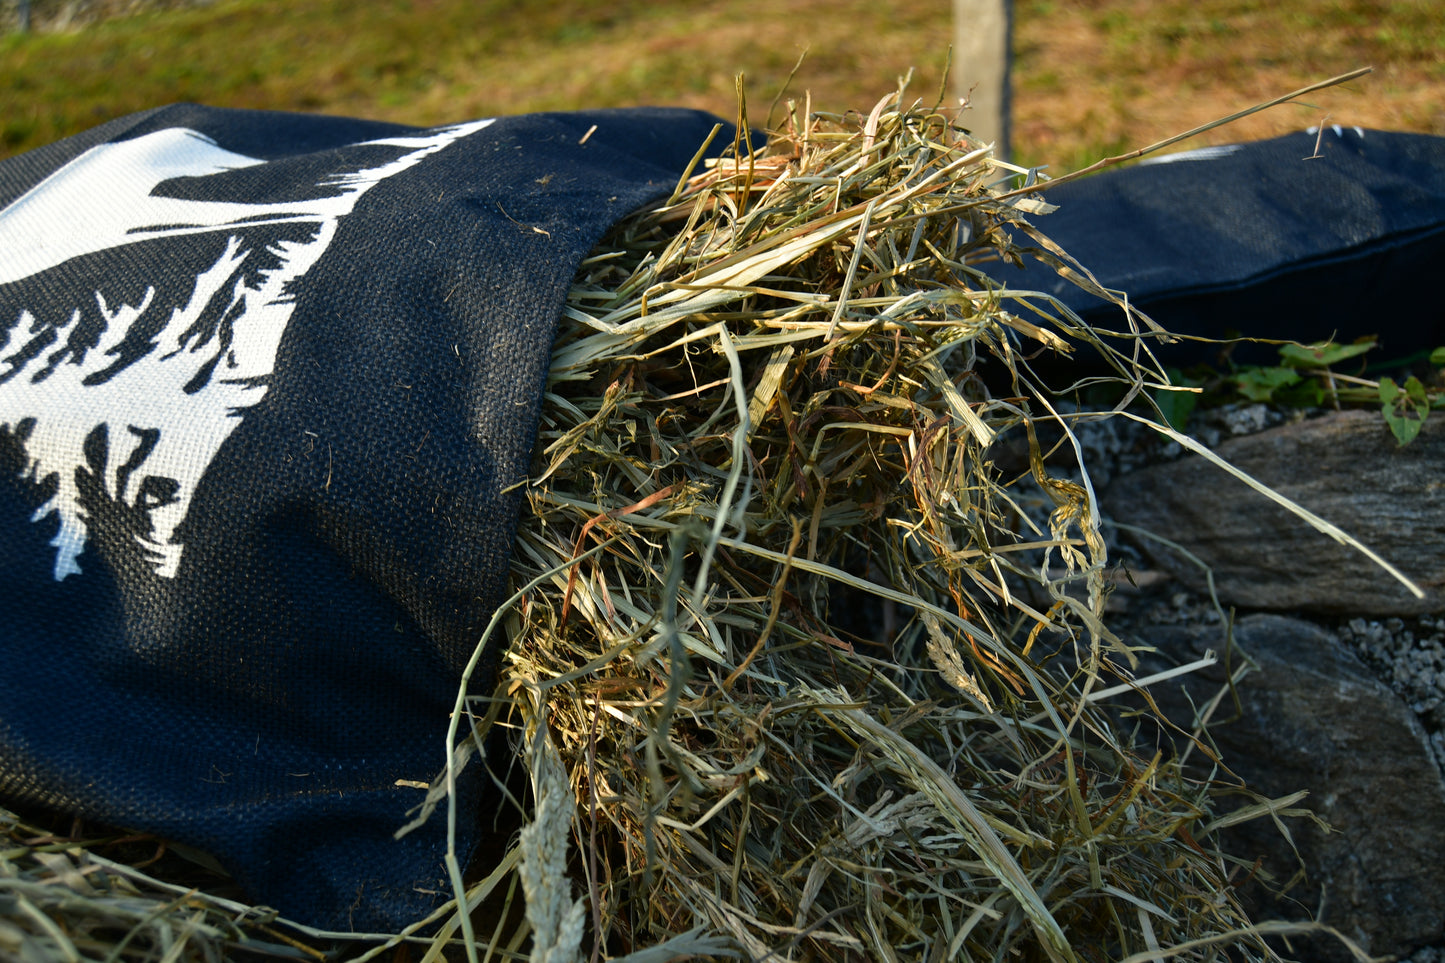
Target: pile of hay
795, 670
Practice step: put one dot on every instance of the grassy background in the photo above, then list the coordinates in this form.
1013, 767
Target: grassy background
1091, 76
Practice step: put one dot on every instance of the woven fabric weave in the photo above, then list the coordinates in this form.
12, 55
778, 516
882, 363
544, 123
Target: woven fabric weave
268, 383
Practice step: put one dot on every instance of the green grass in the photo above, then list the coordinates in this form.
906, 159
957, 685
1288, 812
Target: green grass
1091, 75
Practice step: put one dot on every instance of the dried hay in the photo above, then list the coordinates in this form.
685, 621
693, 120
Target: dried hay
775, 395
794, 670
80, 895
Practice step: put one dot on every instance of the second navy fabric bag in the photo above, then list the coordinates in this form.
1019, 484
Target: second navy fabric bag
1302, 237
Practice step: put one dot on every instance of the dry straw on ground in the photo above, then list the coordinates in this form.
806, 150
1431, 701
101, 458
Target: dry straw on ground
820, 685
796, 672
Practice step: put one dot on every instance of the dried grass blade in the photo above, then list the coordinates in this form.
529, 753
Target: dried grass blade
962, 812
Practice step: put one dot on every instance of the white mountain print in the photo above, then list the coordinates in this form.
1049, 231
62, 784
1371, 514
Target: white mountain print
131, 386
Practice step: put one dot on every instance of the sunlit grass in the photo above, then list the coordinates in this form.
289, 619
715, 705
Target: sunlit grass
1090, 75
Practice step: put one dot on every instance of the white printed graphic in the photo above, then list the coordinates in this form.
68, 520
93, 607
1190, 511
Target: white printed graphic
166, 404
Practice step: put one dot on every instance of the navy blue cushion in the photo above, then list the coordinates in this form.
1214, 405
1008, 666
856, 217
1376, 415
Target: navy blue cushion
1272, 239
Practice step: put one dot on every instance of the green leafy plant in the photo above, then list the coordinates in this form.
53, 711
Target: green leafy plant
1405, 409
1322, 354
1177, 406
1306, 377
1262, 384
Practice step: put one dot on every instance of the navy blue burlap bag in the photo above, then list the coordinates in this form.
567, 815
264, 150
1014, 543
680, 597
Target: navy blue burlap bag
1300, 237
267, 386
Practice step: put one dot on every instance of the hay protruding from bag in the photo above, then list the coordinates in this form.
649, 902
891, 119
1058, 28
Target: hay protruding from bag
822, 677
796, 670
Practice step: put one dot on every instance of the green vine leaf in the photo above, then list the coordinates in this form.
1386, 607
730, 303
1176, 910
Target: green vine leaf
1322, 354
1176, 406
1309, 393
1260, 384
1405, 409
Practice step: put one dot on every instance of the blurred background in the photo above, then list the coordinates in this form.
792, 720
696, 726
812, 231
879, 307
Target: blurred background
1090, 77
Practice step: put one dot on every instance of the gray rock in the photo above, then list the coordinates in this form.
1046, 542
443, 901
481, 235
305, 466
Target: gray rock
1313, 717
1345, 467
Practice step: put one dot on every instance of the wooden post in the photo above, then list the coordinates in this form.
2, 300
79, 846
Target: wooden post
982, 58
